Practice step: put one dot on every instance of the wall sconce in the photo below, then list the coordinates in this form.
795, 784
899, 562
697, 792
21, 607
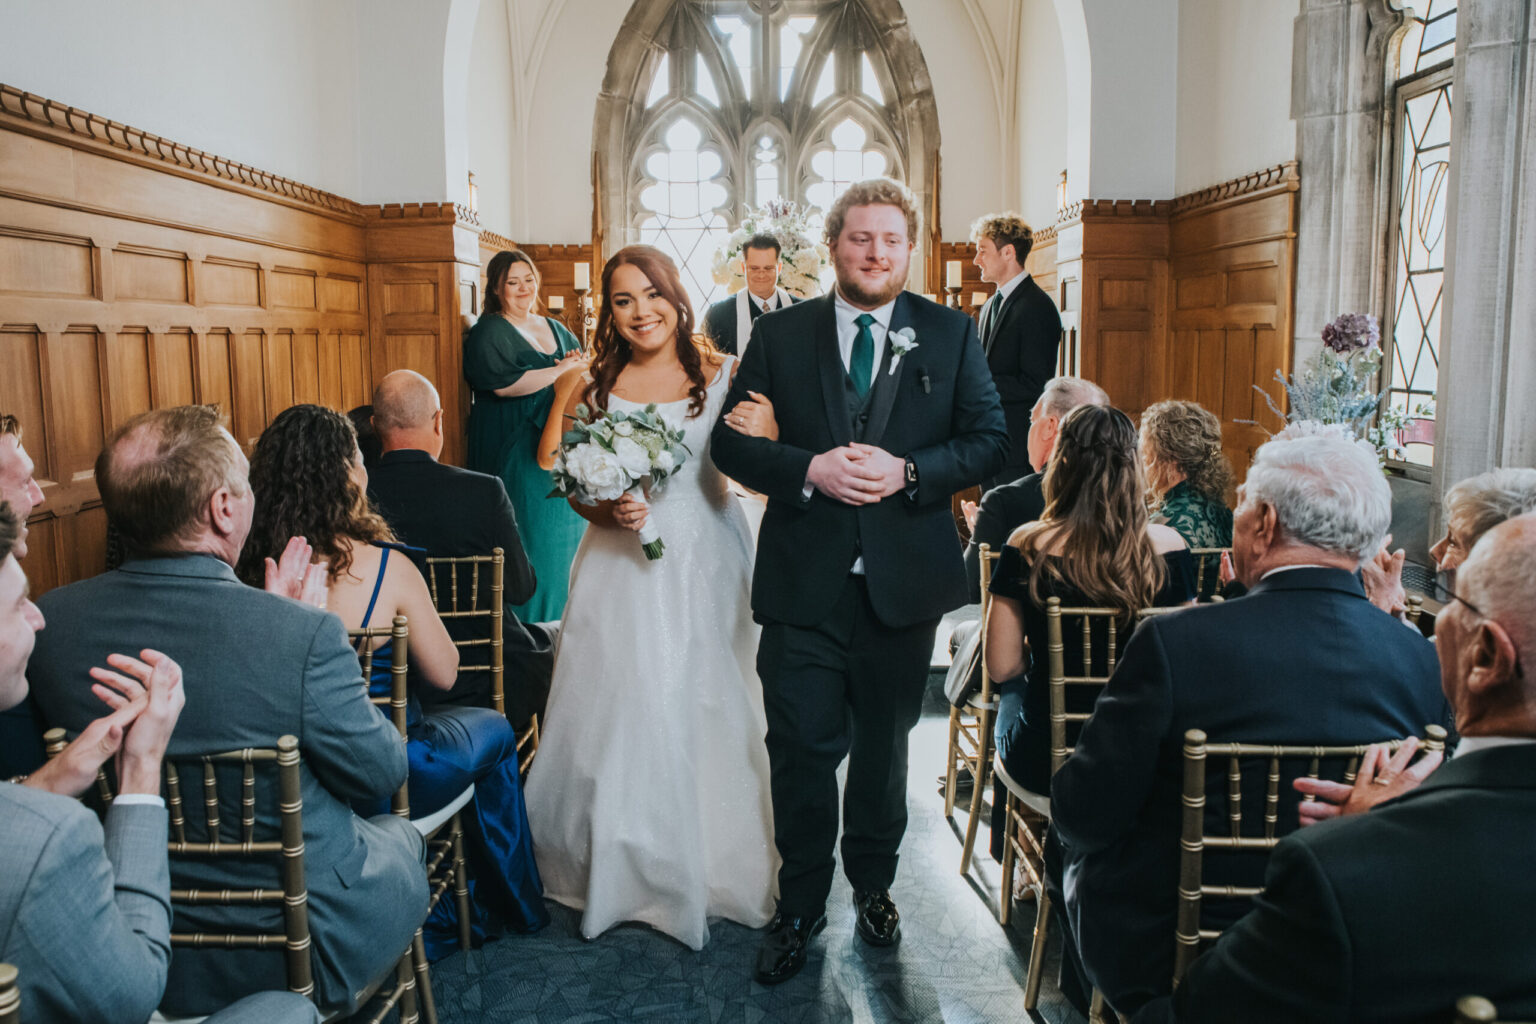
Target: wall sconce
1061, 191
474, 193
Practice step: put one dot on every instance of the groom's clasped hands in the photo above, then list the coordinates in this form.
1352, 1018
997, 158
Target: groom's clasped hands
857, 474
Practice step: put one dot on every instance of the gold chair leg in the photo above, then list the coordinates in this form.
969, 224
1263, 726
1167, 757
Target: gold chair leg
1005, 896
461, 883
1098, 1013
951, 777
407, 981
979, 777
1037, 951
423, 979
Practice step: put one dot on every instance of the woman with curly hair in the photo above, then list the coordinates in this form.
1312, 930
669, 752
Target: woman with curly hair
649, 797
1093, 546
513, 356
308, 477
1188, 476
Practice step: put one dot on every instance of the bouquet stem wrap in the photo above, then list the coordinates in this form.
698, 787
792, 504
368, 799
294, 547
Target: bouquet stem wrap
650, 540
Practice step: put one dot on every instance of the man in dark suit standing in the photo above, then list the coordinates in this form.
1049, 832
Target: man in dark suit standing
1020, 330
884, 409
257, 666
731, 319
1302, 658
451, 512
1338, 933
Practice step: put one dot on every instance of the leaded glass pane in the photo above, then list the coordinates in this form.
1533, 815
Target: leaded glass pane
869, 82
684, 201
661, 84
791, 42
738, 34
704, 82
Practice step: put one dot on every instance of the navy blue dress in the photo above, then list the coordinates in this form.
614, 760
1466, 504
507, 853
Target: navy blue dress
448, 749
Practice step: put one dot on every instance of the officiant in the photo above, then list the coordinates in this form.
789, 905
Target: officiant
730, 319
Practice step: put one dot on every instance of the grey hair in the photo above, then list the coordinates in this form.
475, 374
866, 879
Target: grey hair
1327, 492
1482, 502
1063, 394
1497, 577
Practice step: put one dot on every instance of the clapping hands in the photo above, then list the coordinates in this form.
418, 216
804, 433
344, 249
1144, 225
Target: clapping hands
294, 576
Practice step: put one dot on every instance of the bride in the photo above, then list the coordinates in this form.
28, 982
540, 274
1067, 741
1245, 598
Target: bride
648, 800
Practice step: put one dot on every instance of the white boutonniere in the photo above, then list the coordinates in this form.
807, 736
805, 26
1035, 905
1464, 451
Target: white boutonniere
902, 342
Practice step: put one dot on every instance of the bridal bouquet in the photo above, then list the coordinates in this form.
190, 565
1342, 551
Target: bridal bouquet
804, 257
605, 456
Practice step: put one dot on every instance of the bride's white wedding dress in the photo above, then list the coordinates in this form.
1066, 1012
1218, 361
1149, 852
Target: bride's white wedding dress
648, 800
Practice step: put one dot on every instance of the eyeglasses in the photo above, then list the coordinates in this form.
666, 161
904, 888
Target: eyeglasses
1445, 595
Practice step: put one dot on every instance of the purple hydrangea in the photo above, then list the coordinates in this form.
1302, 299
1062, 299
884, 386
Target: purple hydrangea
1352, 331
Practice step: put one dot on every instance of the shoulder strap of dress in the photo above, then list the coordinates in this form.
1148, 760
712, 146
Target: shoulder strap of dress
377, 583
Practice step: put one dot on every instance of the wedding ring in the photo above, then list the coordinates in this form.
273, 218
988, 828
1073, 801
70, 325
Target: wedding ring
1381, 781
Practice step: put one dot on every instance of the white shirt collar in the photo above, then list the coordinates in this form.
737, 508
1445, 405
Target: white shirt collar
846, 312
1288, 568
762, 304
1472, 744
1006, 288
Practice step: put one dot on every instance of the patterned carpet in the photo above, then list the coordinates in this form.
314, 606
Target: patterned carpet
954, 964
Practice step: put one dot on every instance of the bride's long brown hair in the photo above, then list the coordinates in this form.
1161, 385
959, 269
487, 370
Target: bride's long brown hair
1093, 490
611, 351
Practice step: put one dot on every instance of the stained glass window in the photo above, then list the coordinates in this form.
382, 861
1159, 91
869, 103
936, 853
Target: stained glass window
755, 101
1422, 135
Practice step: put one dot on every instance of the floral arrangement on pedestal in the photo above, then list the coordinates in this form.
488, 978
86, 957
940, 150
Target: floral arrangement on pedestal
1338, 386
804, 258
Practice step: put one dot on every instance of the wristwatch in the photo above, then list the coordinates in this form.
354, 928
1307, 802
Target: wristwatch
911, 474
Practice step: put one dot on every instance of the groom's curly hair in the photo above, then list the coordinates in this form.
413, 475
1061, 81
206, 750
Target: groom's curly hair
610, 350
301, 473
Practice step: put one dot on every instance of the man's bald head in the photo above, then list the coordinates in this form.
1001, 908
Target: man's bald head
408, 414
1486, 640
1500, 578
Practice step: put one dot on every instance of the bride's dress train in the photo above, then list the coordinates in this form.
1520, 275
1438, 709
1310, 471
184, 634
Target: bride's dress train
648, 800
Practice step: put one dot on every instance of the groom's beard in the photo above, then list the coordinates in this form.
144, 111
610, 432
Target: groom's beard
856, 293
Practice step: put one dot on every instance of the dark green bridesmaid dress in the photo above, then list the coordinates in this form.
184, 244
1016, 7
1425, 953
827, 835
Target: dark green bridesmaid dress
503, 438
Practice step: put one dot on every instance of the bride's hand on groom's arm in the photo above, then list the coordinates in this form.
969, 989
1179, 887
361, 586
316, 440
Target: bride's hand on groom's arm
754, 417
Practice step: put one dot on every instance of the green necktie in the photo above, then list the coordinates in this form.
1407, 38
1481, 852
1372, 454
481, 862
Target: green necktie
861, 366
988, 312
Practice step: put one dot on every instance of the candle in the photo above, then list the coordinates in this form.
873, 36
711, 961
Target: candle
930, 296
556, 303
952, 274
583, 276
979, 298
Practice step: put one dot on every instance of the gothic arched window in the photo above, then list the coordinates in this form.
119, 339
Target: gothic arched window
1421, 138
711, 107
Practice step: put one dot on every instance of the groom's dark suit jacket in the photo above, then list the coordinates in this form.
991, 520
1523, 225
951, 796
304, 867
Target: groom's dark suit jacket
939, 407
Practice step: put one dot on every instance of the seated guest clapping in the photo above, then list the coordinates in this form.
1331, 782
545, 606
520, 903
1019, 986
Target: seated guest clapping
257, 667
1302, 658
308, 477
1092, 547
1392, 916
1187, 474
451, 512
87, 908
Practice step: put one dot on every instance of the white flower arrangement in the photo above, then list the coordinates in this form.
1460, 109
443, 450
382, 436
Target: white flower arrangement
604, 457
803, 257
902, 342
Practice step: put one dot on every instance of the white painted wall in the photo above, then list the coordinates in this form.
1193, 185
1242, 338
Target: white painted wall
1234, 89
1135, 51
490, 116
1042, 112
275, 87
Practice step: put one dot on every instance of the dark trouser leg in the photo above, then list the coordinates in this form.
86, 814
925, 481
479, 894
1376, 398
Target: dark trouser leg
887, 671
804, 675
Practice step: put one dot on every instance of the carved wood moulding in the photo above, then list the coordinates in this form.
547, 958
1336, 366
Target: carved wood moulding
83, 126
1279, 178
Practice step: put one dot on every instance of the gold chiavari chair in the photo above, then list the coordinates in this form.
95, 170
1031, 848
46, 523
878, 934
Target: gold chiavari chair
970, 728
1207, 571
10, 995
456, 598
1469, 1010
443, 829
1194, 840
209, 775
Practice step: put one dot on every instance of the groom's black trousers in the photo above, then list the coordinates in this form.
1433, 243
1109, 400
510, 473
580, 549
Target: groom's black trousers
848, 686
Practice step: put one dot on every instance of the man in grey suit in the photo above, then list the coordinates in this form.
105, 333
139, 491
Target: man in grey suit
68, 887
257, 666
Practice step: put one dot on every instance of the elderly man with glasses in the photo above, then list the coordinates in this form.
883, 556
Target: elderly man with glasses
1393, 915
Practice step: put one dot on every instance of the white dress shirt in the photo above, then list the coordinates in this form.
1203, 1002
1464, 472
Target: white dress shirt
1472, 744
1006, 288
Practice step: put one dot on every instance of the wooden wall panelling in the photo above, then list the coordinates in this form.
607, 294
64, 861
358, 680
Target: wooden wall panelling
557, 273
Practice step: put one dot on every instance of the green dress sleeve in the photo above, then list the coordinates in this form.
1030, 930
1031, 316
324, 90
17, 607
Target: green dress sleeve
496, 354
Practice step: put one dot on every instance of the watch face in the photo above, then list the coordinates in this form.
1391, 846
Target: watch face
911, 472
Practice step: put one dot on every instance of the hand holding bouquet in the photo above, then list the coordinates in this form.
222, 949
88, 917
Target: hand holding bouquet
605, 456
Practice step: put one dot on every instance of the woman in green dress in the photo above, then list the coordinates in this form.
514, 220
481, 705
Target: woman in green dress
512, 357
1187, 473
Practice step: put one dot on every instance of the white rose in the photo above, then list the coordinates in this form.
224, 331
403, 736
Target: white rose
597, 471
808, 261
664, 462
623, 428
632, 458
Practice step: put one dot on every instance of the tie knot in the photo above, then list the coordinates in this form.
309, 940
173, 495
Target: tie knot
863, 319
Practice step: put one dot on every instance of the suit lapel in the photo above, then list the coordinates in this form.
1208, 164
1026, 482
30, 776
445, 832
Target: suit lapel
887, 384
832, 374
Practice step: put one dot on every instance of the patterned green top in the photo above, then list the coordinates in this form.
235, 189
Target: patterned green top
1202, 523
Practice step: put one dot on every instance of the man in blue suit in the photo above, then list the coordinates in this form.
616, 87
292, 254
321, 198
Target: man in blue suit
257, 666
68, 886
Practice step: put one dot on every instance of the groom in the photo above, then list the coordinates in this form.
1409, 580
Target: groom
885, 408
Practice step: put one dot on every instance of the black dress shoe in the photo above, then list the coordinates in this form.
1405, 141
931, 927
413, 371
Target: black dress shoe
782, 953
878, 922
